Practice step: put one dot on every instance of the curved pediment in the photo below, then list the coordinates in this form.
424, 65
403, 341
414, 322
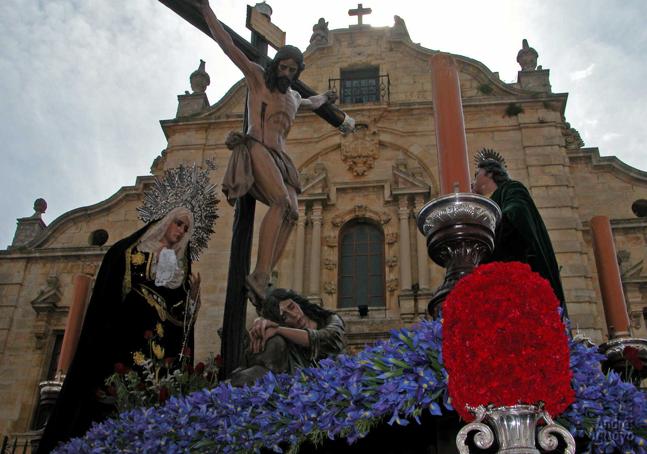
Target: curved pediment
232, 104
71, 229
407, 65
365, 160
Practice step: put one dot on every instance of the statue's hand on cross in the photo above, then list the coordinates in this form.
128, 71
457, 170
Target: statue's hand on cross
315, 102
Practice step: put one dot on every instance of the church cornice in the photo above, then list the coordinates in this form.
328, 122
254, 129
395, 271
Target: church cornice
621, 224
632, 223
607, 163
64, 252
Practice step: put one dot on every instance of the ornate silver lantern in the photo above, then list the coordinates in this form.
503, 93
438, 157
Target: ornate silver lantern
459, 228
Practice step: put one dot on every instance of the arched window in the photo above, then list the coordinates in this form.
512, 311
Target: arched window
361, 265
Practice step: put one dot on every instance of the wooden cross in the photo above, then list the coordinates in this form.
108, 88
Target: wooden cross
359, 12
234, 316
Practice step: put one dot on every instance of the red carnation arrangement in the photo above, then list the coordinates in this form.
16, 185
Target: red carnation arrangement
504, 342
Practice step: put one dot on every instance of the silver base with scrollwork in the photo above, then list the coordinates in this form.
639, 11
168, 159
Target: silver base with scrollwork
616, 351
515, 428
459, 229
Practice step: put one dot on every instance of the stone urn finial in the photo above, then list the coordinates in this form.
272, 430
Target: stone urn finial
199, 79
40, 206
264, 9
30, 227
527, 57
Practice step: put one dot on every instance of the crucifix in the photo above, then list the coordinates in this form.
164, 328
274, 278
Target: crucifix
190, 11
359, 12
277, 190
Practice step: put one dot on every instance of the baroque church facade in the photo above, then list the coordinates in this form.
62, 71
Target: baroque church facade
355, 249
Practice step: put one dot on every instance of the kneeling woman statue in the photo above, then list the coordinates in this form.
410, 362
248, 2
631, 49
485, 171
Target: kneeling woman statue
291, 333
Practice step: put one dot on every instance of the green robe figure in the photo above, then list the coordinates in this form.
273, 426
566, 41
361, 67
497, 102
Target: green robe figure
521, 235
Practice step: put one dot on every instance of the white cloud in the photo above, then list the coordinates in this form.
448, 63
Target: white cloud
582, 74
610, 136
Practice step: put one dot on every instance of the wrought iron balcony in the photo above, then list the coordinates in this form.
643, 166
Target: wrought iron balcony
362, 90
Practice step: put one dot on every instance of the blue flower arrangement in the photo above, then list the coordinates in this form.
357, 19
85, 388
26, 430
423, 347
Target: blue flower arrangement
609, 412
394, 380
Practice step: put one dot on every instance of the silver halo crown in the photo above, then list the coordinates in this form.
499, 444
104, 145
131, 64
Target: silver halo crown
488, 154
188, 187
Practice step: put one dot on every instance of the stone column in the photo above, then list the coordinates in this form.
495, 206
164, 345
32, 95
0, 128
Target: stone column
421, 249
405, 244
315, 254
613, 299
74, 321
450, 129
297, 283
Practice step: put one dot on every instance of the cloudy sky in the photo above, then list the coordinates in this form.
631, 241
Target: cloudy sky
84, 83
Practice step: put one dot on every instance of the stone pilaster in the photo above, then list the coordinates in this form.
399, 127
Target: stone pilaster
421, 249
299, 256
315, 255
405, 243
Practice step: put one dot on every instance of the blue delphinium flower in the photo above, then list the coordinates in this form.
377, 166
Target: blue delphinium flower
394, 380
606, 410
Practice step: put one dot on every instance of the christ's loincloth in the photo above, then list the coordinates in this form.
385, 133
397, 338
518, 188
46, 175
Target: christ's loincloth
239, 177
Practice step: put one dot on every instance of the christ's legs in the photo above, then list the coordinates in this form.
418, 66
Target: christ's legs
286, 227
278, 221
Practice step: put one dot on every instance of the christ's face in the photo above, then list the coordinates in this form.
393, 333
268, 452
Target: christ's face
286, 71
176, 230
287, 68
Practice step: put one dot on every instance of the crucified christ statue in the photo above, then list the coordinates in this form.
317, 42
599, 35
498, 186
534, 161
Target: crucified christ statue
271, 109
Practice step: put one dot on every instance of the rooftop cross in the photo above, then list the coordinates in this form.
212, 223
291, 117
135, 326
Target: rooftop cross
359, 12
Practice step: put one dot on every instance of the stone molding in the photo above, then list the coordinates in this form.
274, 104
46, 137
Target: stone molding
124, 193
609, 163
360, 211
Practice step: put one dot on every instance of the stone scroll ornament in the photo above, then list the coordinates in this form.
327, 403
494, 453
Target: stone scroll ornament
189, 187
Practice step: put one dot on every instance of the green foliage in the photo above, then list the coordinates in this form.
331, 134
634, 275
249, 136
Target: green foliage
513, 110
486, 89
154, 379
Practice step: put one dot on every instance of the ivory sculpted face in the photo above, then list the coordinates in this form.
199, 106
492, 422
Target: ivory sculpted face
483, 184
176, 231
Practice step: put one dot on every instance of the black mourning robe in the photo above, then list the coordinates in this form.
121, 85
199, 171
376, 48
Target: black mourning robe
125, 303
522, 236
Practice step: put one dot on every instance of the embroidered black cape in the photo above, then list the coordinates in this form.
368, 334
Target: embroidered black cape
125, 303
